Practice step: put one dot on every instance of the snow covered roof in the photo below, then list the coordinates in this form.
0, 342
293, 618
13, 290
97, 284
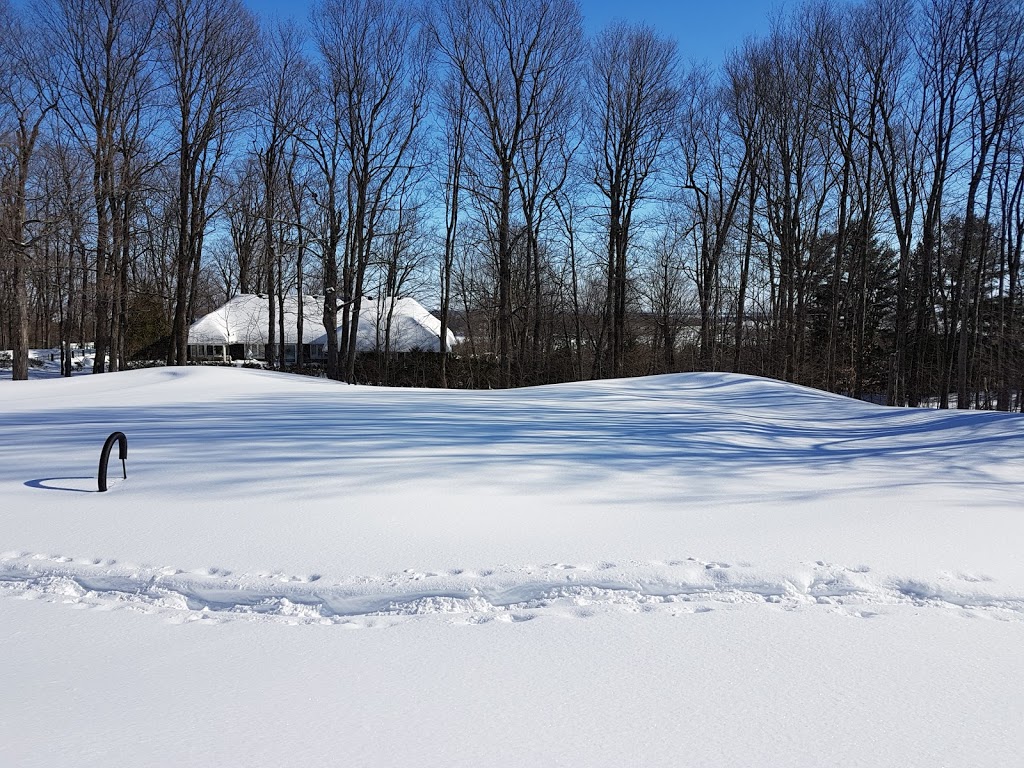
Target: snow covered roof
244, 320
411, 327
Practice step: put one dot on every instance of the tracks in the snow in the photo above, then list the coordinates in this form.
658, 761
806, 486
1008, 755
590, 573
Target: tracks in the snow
687, 586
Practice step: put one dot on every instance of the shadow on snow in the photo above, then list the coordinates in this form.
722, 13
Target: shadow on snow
715, 427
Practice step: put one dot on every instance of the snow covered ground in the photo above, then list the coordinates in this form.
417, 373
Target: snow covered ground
702, 569
45, 363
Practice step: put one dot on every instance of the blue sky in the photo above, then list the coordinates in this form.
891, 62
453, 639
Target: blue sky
705, 29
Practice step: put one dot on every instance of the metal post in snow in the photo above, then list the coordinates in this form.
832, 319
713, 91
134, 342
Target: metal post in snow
122, 451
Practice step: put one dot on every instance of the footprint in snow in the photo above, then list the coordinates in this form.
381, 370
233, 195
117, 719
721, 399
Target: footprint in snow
858, 614
517, 618
474, 621
688, 610
971, 578
833, 566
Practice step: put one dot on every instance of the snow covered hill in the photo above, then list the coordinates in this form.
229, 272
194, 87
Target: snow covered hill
665, 571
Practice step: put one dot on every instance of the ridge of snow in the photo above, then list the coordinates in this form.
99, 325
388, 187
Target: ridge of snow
691, 585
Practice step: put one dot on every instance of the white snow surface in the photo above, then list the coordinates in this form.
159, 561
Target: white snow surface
701, 569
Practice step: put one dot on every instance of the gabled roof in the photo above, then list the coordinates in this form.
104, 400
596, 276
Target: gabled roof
244, 320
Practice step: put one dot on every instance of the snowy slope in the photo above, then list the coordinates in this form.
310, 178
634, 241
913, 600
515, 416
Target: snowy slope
663, 571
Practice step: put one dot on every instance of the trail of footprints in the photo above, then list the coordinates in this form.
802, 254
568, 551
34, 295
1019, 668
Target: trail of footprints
683, 587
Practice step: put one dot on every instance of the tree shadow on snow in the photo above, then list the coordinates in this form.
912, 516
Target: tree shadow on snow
718, 429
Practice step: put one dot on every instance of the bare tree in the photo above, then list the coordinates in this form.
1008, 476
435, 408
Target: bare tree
995, 50
243, 207
322, 139
283, 100
508, 54
104, 49
1008, 173
714, 179
744, 73
65, 205
27, 96
943, 74
796, 150
664, 293
882, 32
632, 107
298, 191
208, 59
454, 105
376, 56
400, 254
546, 162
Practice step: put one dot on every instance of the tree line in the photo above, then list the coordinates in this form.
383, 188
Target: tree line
838, 204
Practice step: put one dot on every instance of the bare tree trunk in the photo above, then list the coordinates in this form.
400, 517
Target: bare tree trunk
454, 98
741, 297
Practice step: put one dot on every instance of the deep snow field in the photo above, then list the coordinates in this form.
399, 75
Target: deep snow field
690, 570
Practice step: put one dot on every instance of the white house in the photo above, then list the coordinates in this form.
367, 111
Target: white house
239, 329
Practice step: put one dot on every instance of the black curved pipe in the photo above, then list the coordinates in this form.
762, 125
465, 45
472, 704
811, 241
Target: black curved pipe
122, 452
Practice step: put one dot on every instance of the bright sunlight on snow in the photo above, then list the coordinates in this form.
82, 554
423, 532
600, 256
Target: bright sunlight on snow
697, 569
